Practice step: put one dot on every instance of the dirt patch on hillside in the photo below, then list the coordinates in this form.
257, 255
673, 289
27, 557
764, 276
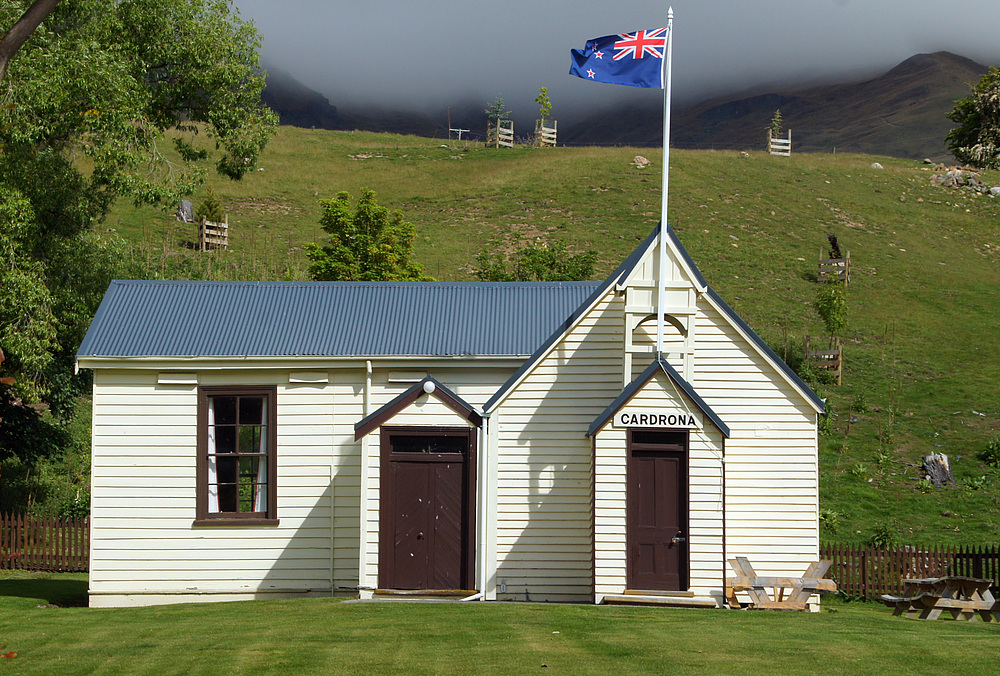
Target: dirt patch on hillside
262, 205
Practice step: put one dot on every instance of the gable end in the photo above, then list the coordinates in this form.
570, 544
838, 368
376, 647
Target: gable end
658, 364
390, 409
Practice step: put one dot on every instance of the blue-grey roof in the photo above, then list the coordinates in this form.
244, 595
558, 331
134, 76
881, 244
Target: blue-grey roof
370, 319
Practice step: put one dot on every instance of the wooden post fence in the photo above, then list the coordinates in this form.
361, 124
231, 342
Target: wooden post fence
213, 235
545, 136
500, 135
779, 146
44, 543
839, 268
869, 573
830, 359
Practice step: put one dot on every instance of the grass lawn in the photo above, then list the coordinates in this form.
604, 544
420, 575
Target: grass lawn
39, 622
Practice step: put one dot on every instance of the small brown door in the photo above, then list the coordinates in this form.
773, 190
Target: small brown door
426, 525
657, 518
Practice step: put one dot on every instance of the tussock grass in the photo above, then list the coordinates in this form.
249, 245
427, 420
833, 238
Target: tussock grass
920, 347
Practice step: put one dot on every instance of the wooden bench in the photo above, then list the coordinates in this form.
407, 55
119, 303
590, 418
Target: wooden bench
799, 589
966, 598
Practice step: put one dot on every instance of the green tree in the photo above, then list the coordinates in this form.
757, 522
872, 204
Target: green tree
369, 243
495, 111
533, 262
545, 104
92, 90
210, 208
976, 141
831, 304
776, 124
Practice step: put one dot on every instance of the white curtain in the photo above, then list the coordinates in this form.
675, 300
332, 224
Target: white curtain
213, 474
260, 490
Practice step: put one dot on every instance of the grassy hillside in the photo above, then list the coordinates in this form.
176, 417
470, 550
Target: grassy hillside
922, 364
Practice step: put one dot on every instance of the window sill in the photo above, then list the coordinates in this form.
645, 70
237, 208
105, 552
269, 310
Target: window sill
224, 522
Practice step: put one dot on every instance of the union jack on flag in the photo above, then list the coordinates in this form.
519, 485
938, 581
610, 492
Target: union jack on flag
633, 59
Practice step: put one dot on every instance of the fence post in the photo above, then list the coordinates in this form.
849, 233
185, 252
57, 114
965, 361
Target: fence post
864, 572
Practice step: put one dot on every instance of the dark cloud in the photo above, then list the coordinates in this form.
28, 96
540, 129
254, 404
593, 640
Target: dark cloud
434, 53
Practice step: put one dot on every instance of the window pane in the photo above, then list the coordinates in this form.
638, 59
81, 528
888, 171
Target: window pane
227, 477
225, 410
225, 439
249, 440
660, 438
227, 498
226, 469
251, 409
248, 470
419, 443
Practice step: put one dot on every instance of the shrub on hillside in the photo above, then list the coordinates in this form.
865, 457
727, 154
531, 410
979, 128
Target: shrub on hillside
991, 454
210, 208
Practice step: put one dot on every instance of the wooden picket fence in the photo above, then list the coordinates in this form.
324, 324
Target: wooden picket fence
869, 573
44, 543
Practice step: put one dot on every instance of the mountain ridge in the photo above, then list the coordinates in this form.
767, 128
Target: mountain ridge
901, 113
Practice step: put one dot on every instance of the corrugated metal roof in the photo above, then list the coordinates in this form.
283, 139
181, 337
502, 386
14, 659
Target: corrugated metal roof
236, 319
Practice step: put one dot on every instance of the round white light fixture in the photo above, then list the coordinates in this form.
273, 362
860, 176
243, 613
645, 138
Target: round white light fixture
429, 386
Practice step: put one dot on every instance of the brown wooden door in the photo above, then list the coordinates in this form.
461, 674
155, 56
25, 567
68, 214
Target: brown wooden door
426, 517
657, 519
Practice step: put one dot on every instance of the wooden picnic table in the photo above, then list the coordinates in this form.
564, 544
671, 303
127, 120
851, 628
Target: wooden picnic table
965, 598
791, 593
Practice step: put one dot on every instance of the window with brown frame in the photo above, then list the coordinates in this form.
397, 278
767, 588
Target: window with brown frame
237, 458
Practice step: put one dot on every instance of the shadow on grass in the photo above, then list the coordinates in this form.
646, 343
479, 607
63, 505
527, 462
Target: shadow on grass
61, 591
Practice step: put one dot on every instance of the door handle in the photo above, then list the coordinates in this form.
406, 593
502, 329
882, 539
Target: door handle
677, 539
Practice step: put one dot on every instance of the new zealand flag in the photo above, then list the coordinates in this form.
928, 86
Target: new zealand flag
633, 59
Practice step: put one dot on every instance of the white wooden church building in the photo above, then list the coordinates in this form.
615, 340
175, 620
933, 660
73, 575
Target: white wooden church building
484, 440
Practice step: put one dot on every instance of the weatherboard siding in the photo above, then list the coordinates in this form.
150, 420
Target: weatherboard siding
144, 485
772, 483
705, 449
544, 464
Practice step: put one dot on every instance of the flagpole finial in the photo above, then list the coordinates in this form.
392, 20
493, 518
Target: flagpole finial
670, 13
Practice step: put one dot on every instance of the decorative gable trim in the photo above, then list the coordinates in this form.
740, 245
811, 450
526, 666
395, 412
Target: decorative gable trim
659, 364
620, 273
400, 402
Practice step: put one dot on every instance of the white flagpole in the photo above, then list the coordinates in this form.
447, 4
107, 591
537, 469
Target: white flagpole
662, 290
